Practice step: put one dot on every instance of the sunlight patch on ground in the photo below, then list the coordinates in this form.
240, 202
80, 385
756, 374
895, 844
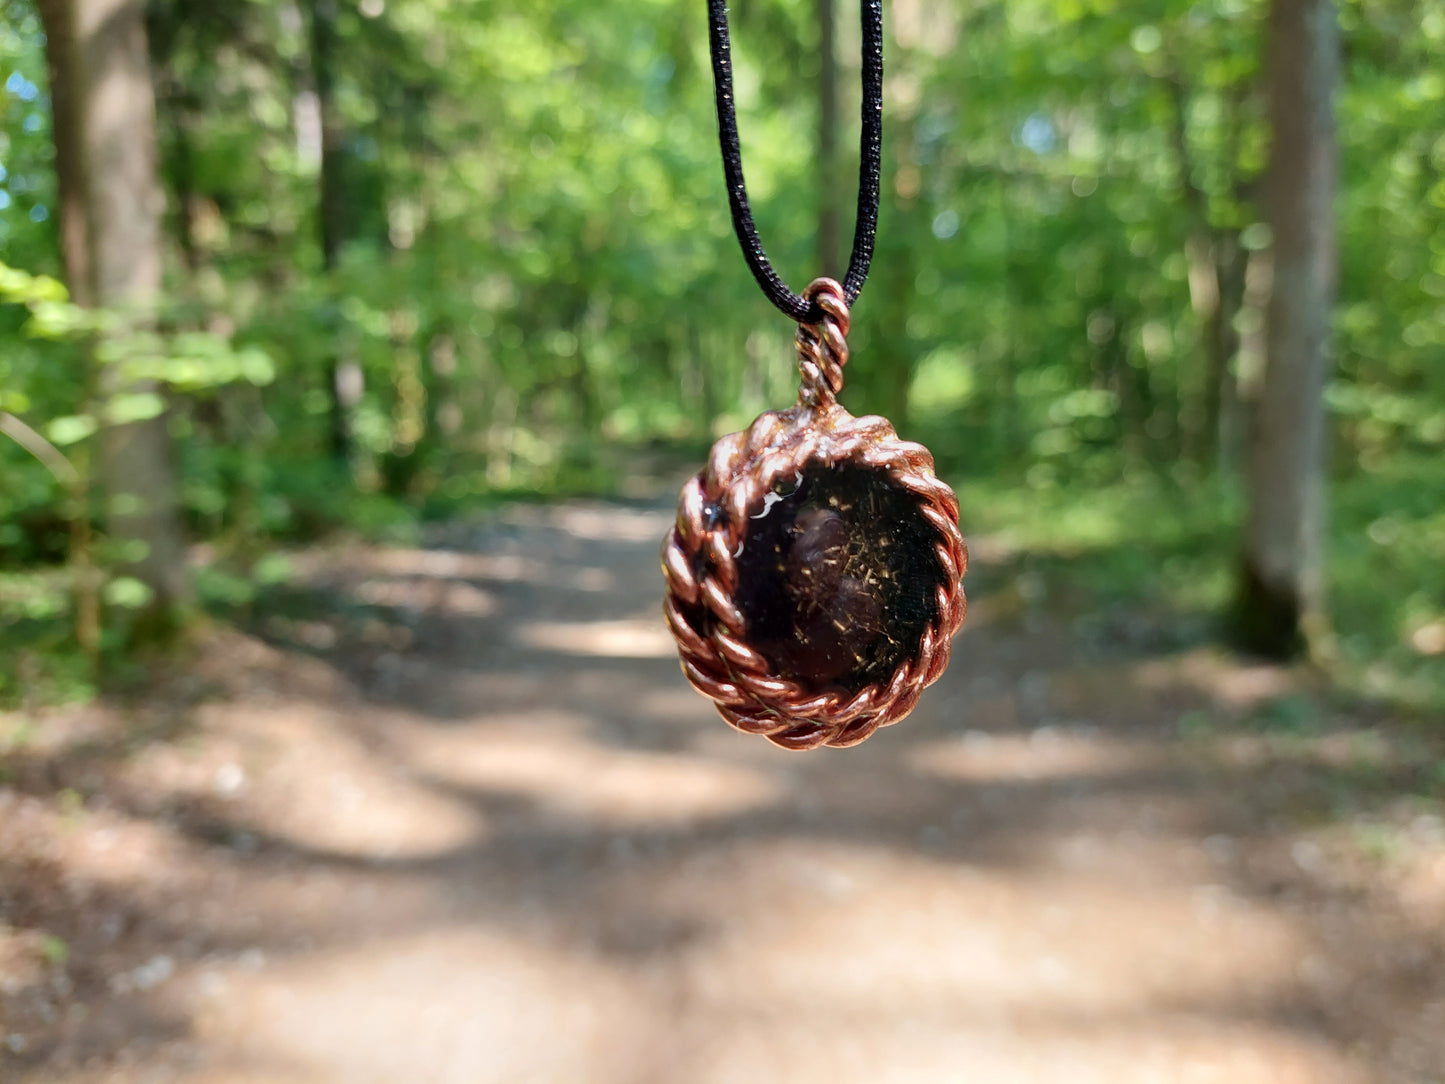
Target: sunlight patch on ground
680, 703
570, 775
365, 806
632, 638
262, 777
847, 963
1045, 753
596, 522
841, 928
470, 1006
870, 1047
455, 599
1230, 683
99, 847
359, 813
440, 564
477, 1006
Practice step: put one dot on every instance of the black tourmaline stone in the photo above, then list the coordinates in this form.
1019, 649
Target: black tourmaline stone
837, 577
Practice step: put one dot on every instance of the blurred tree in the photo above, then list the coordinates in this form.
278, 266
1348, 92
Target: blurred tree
110, 204
345, 377
1280, 591
830, 179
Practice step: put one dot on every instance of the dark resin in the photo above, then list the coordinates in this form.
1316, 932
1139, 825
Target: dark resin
837, 577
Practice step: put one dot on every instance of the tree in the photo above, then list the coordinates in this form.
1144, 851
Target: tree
829, 250
1280, 600
110, 205
344, 374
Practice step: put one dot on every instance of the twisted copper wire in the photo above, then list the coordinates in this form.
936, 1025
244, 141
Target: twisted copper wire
700, 555
823, 347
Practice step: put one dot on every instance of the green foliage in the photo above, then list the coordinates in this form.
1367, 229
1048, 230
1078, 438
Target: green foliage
55, 950
536, 278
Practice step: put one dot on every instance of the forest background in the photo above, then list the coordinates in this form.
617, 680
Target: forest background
423, 257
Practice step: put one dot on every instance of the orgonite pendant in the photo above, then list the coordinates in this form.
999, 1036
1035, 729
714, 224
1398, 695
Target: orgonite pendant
814, 578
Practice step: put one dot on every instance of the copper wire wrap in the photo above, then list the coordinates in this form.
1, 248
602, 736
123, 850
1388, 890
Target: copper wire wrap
700, 555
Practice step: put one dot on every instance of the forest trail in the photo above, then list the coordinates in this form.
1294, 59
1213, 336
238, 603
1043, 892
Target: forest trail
453, 816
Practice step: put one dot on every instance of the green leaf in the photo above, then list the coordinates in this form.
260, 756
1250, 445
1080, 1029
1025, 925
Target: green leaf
274, 568
20, 287
70, 429
256, 366
134, 407
55, 950
128, 593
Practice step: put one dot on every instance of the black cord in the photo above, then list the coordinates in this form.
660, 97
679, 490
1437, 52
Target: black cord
869, 163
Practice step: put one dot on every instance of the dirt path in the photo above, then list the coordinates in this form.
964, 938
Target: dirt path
453, 817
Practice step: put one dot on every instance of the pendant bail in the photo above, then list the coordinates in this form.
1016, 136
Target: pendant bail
823, 346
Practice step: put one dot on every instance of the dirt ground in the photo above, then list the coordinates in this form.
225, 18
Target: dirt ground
450, 815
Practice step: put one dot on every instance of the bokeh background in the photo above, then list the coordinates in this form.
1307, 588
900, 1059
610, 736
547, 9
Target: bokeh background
399, 780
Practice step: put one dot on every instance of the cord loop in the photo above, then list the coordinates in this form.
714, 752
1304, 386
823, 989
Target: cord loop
803, 309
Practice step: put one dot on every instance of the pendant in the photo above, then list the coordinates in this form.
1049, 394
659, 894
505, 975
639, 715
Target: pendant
814, 577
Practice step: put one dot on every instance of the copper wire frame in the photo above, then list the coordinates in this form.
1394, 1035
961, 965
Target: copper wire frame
700, 555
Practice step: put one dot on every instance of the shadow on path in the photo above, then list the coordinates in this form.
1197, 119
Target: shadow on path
457, 817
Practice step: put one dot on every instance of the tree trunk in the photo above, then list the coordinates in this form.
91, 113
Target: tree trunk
895, 355
65, 105
1280, 600
344, 378
1223, 343
110, 203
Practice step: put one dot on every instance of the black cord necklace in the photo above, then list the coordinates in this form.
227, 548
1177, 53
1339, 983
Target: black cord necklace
814, 577
870, 163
